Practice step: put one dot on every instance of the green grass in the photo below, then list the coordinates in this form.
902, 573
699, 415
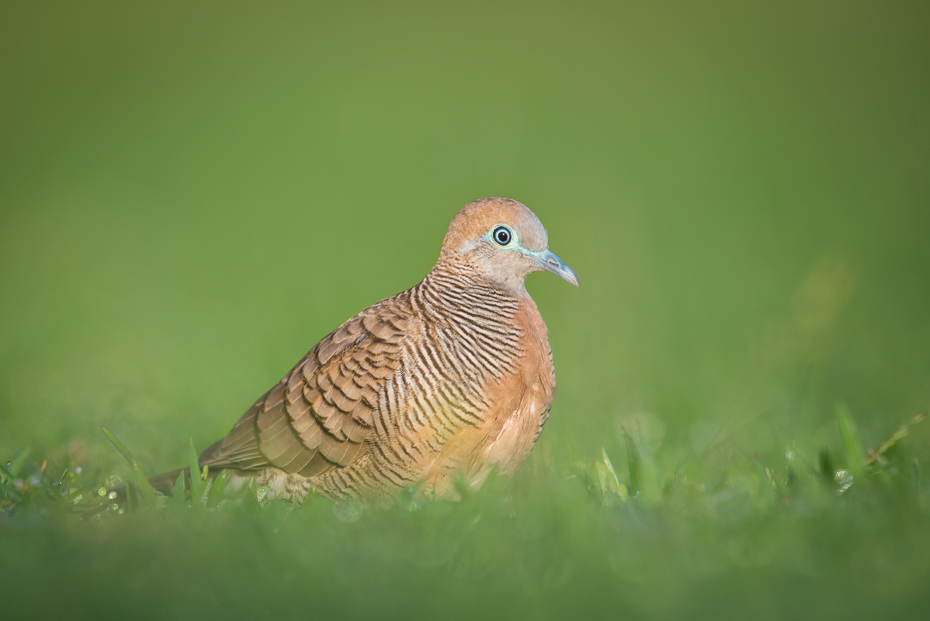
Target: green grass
192, 196
734, 534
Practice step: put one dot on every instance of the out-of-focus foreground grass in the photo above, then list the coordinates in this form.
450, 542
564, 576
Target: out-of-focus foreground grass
734, 535
191, 197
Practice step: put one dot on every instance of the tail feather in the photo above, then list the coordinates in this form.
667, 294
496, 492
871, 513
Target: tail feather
164, 483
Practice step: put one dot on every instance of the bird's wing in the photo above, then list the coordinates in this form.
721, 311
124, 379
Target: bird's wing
320, 415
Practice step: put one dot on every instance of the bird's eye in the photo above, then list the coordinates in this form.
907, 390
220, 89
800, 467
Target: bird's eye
502, 235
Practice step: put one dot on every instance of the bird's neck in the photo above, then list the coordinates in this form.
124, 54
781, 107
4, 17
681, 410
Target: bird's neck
450, 288
462, 273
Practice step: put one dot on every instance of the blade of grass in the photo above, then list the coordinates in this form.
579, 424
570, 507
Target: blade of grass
197, 482
825, 461
5, 475
119, 445
144, 491
12, 491
217, 490
877, 456
607, 479
643, 469
177, 495
633, 462
16, 466
853, 452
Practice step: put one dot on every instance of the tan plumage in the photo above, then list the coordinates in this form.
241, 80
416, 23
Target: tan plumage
451, 376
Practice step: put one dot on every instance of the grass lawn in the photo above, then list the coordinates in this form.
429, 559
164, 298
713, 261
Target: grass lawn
729, 534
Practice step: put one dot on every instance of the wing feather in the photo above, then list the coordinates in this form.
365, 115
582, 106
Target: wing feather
321, 415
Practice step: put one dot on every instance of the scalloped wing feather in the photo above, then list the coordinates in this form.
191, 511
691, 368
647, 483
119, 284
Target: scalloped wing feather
320, 416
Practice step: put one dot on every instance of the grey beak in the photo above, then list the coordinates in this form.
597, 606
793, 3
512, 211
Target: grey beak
548, 261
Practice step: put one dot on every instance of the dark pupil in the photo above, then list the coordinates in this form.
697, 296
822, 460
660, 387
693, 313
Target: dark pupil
502, 236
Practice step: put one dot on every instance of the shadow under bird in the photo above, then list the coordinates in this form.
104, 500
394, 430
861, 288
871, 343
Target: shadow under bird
451, 378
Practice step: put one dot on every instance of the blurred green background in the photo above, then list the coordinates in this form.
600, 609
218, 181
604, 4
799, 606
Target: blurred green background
191, 195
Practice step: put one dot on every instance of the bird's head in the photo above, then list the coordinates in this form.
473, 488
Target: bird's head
504, 241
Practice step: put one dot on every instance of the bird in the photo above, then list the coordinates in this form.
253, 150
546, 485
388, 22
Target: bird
437, 385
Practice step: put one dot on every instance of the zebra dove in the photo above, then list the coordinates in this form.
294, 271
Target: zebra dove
450, 378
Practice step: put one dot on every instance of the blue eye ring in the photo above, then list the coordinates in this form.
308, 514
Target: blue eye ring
502, 235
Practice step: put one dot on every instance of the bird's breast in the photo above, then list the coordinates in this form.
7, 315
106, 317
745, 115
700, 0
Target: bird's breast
472, 391
514, 408
523, 398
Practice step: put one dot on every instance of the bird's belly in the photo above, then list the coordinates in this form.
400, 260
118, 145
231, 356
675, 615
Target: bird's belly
503, 441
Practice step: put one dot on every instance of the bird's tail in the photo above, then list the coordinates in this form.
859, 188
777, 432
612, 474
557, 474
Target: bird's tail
164, 483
